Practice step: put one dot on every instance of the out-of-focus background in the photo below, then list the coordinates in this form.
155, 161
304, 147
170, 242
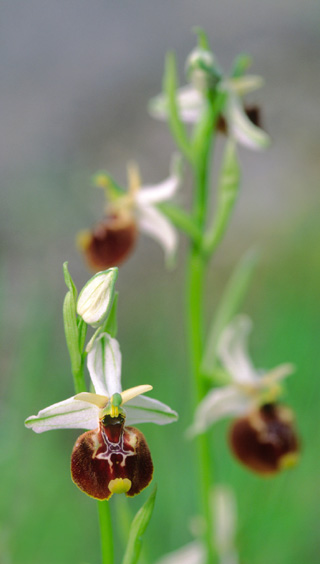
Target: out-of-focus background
76, 78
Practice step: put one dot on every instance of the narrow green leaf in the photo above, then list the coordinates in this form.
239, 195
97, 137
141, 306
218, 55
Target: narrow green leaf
182, 220
203, 40
137, 530
230, 303
111, 324
71, 331
227, 193
69, 282
82, 332
170, 89
241, 64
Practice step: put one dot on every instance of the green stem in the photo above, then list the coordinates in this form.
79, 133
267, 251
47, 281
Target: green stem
196, 271
106, 532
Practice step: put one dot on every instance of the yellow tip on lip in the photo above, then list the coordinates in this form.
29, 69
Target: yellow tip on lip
289, 460
133, 392
83, 239
119, 485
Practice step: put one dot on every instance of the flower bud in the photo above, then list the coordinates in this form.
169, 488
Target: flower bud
111, 459
201, 69
95, 298
265, 440
110, 242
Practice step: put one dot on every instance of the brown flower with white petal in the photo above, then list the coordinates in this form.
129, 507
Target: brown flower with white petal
265, 440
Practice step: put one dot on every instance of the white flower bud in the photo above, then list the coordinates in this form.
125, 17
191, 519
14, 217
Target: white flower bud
201, 69
95, 298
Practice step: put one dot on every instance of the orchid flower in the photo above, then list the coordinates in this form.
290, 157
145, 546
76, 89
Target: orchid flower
128, 213
192, 102
263, 436
110, 457
249, 388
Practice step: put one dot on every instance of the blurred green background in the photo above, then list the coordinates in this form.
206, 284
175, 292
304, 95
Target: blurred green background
76, 79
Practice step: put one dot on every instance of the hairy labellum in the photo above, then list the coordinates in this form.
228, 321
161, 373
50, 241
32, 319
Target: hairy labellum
110, 242
111, 459
265, 440
252, 112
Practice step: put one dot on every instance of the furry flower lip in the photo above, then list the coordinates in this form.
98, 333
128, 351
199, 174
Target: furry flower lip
111, 456
265, 440
111, 242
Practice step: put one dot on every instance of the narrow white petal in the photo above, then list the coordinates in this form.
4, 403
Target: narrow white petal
233, 351
104, 365
159, 192
143, 409
67, 414
217, 404
276, 374
242, 129
190, 103
192, 553
131, 393
242, 85
156, 225
94, 399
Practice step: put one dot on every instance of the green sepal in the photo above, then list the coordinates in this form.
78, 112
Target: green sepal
170, 89
229, 305
203, 41
69, 282
82, 332
227, 193
137, 530
111, 324
71, 331
240, 65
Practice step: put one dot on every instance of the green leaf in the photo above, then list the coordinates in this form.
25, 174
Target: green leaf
170, 89
230, 303
227, 193
111, 324
241, 64
71, 331
137, 530
203, 40
69, 282
82, 332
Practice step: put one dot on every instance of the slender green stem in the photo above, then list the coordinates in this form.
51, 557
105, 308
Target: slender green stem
106, 532
196, 270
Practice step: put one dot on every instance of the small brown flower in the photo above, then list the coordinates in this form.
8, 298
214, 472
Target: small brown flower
110, 242
265, 440
111, 459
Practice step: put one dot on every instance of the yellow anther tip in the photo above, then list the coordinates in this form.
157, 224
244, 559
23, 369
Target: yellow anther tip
119, 485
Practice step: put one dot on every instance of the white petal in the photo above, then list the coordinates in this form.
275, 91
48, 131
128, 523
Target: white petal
131, 393
190, 102
159, 192
276, 374
217, 404
104, 365
143, 409
242, 85
156, 225
192, 553
242, 129
67, 414
96, 296
233, 351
